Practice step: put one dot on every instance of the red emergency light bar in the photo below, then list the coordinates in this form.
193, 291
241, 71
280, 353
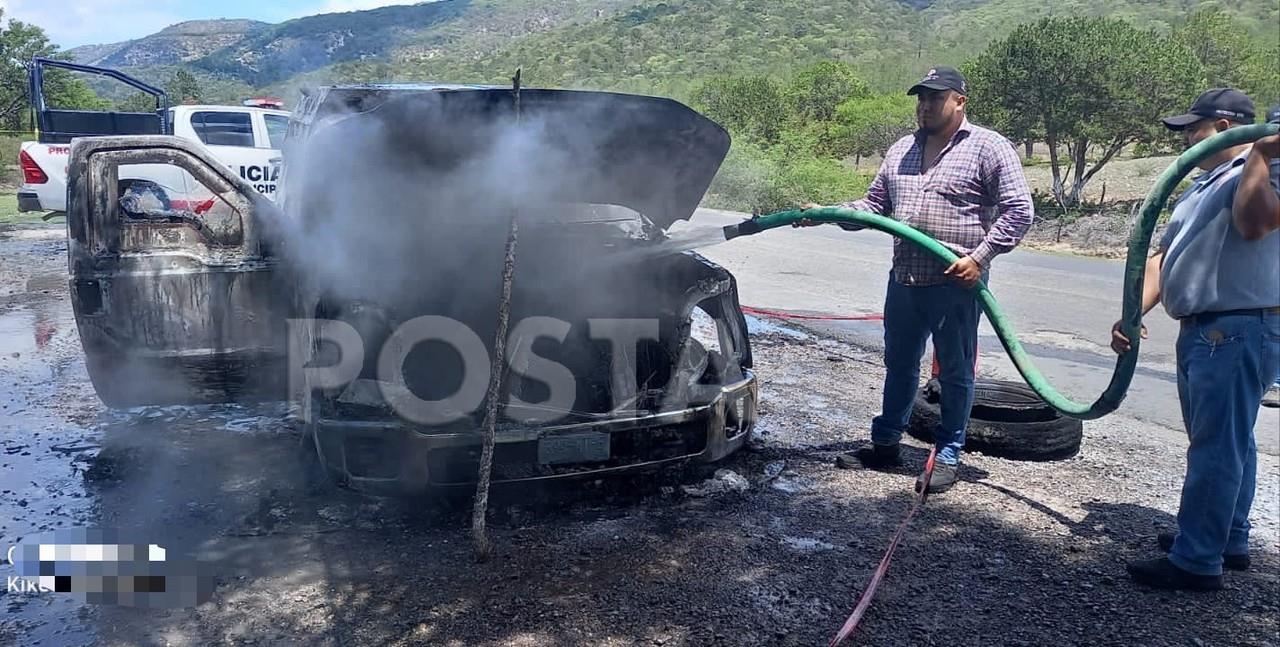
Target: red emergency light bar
264, 102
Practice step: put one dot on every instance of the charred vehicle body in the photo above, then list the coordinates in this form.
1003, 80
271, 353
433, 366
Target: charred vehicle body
368, 294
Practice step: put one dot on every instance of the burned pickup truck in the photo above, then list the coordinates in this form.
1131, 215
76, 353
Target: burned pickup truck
368, 294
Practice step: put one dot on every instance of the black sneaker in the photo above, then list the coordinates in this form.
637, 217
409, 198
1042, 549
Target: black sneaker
944, 476
1231, 562
1272, 397
1163, 574
874, 456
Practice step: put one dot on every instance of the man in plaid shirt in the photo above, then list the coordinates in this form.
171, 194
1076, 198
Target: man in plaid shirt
963, 185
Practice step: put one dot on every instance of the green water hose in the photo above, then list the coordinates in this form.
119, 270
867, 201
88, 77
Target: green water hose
1134, 270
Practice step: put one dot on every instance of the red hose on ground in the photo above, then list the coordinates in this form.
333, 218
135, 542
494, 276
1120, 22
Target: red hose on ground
781, 314
864, 601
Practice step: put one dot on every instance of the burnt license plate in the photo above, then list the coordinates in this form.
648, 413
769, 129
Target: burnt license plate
577, 448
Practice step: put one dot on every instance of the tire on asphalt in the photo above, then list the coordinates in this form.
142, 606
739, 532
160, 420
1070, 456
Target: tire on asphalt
1008, 420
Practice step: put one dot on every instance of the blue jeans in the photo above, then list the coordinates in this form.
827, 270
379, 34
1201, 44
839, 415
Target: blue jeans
911, 315
1225, 362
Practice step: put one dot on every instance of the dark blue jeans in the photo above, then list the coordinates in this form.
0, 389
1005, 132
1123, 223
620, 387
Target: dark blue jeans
911, 315
1225, 362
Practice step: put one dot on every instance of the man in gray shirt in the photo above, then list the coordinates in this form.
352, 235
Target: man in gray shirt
1217, 271
1272, 397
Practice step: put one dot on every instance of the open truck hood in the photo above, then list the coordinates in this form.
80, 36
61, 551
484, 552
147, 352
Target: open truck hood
653, 155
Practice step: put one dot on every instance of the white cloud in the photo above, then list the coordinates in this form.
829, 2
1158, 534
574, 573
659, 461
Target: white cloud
70, 23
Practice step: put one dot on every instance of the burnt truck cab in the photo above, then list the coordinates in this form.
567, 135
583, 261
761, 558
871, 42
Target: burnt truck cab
368, 294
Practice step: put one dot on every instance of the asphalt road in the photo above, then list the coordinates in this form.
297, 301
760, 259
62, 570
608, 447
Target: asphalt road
1062, 307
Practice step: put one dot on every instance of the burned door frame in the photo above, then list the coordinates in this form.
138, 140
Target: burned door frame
60, 125
168, 310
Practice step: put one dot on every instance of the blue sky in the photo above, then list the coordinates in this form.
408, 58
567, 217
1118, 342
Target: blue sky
82, 22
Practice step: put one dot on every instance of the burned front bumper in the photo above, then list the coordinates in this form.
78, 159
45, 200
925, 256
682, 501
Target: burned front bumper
390, 458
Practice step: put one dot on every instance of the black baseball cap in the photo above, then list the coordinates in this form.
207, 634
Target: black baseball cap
1218, 103
941, 78
1273, 114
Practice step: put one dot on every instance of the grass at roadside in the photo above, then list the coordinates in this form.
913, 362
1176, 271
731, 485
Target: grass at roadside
9, 212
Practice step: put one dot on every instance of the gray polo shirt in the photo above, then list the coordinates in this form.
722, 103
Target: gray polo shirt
1208, 265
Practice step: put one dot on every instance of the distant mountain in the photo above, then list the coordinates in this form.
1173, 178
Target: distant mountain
95, 54
620, 44
184, 42
275, 52
261, 54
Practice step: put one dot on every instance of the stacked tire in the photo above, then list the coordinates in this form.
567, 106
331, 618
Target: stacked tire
1008, 420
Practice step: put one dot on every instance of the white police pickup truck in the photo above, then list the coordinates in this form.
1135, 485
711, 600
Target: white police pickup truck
247, 139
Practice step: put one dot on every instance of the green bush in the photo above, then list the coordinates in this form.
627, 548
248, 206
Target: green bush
763, 181
784, 150
748, 106
1044, 203
10, 176
745, 179
868, 126
820, 180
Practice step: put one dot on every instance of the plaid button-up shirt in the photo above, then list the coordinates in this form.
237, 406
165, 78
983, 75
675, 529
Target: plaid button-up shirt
974, 199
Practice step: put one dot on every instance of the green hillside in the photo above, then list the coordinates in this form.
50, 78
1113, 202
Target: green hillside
277, 52
662, 46
665, 46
